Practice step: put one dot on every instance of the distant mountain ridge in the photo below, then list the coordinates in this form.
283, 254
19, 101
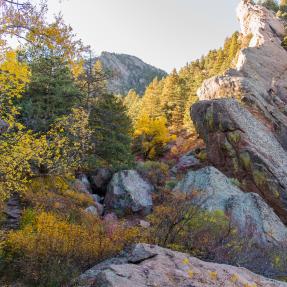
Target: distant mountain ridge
128, 72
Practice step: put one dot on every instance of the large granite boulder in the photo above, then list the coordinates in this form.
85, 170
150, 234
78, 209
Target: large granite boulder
148, 265
248, 212
260, 73
244, 148
128, 193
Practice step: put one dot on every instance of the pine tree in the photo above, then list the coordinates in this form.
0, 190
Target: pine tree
172, 101
269, 4
111, 132
51, 93
92, 80
233, 49
219, 62
151, 99
133, 105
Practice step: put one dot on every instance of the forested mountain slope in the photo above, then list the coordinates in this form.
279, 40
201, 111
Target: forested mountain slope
128, 72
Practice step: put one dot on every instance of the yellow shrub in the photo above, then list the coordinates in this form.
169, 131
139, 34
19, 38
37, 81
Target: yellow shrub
151, 136
51, 250
54, 192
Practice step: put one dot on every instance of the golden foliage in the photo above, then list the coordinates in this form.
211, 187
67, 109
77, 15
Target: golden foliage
49, 244
151, 136
55, 193
13, 79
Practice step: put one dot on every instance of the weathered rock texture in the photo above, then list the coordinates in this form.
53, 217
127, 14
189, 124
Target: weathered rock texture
128, 193
249, 141
186, 162
146, 265
249, 214
242, 147
13, 213
260, 76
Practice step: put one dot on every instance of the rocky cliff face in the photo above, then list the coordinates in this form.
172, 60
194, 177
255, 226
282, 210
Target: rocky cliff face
128, 72
260, 77
248, 140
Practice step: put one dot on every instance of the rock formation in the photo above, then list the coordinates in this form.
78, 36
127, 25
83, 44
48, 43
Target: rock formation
260, 75
12, 213
247, 140
147, 265
248, 212
129, 192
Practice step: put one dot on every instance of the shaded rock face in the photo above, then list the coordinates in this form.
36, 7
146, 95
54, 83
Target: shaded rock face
148, 265
260, 75
128, 193
248, 212
187, 161
82, 184
128, 72
13, 212
242, 147
100, 179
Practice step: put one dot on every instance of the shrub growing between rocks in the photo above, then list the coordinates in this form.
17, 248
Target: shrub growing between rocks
178, 225
50, 251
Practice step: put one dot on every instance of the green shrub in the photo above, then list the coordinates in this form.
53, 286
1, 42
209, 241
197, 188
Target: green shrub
178, 225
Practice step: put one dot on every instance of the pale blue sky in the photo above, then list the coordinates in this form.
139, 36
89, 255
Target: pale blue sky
164, 33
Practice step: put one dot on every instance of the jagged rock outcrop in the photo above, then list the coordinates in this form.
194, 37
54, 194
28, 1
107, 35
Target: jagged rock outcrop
147, 265
242, 147
249, 214
128, 72
248, 141
260, 75
128, 193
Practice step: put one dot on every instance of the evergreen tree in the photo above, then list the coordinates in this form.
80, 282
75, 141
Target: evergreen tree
133, 105
92, 80
270, 4
172, 101
51, 92
111, 132
151, 99
232, 50
173, 96
219, 62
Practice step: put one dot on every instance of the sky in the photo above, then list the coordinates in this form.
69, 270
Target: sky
164, 33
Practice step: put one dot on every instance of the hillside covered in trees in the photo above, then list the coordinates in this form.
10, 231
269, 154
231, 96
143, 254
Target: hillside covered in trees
148, 180
127, 72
